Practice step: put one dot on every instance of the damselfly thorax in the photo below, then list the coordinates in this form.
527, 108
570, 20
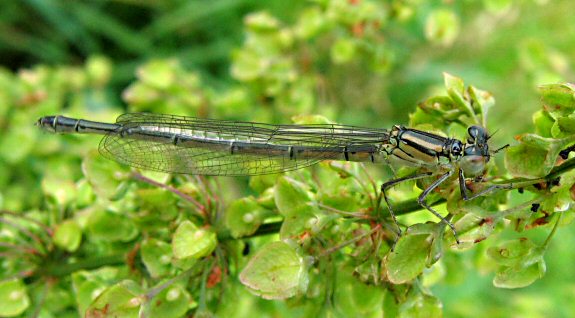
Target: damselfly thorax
188, 145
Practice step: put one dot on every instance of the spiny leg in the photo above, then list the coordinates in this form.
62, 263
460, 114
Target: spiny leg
426, 192
464, 192
390, 184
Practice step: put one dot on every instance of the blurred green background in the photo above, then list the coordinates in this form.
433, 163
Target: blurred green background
356, 62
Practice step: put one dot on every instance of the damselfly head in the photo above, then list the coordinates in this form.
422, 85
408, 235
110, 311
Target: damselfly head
476, 152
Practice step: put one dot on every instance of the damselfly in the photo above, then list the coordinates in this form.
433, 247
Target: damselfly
188, 145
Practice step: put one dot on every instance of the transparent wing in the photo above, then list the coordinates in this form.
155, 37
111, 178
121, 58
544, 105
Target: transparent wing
215, 158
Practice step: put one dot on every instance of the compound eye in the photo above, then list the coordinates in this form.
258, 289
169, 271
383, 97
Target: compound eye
456, 148
473, 131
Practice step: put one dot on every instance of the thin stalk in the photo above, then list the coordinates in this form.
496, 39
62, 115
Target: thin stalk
550, 236
43, 226
175, 191
358, 215
62, 270
348, 242
28, 233
153, 292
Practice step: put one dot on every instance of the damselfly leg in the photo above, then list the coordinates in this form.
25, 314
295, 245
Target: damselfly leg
421, 199
426, 192
465, 194
389, 184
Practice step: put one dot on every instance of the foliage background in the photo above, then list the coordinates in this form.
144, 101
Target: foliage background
226, 59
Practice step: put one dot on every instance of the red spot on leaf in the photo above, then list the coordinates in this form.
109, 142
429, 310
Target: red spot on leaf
488, 221
538, 222
304, 236
477, 240
215, 277
131, 257
504, 252
358, 29
98, 313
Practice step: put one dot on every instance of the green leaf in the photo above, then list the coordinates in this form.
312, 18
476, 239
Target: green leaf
244, 216
431, 112
59, 299
456, 90
513, 252
311, 120
16, 144
442, 27
521, 263
519, 167
519, 276
543, 123
481, 100
100, 222
537, 141
99, 70
261, 22
173, 301
566, 125
290, 194
122, 300
454, 85
189, 241
155, 205
353, 297
343, 50
139, 94
247, 65
473, 229
156, 256
160, 73
106, 177
13, 298
558, 97
68, 235
498, 6
84, 194
390, 305
267, 199
277, 271
300, 220
421, 305
62, 190
384, 59
261, 183
87, 286
409, 257
542, 152
310, 23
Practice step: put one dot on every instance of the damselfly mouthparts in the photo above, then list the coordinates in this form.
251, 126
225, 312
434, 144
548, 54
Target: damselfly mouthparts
188, 145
